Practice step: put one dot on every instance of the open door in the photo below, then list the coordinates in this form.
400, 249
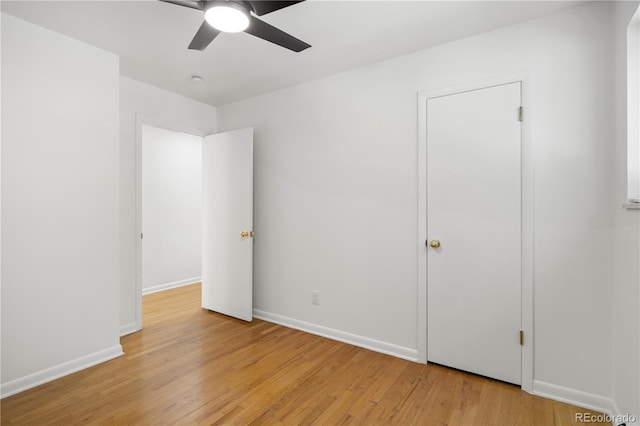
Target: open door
227, 225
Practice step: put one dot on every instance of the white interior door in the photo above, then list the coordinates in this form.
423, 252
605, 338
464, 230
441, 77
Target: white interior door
227, 226
474, 213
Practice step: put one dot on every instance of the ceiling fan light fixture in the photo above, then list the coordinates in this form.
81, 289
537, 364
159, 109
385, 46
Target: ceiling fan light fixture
227, 17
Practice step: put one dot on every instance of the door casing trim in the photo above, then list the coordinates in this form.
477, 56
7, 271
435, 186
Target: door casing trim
527, 205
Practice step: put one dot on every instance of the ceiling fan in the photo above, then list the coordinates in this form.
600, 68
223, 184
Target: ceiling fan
234, 16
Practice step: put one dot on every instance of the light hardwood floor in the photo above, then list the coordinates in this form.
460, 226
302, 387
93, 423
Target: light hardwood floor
192, 367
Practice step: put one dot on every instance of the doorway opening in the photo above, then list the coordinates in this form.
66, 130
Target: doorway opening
168, 208
171, 209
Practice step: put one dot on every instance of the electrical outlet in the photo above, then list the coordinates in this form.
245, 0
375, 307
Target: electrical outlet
315, 297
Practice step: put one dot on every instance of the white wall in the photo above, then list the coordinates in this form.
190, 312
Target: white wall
626, 242
60, 217
171, 208
336, 194
142, 102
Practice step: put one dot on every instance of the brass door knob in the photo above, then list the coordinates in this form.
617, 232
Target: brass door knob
434, 244
246, 234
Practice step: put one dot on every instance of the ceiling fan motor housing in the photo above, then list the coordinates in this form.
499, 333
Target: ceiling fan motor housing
240, 15
243, 6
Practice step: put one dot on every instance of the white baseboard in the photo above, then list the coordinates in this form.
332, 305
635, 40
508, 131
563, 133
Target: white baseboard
341, 336
128, 329
167, 286
578, 398
49, 374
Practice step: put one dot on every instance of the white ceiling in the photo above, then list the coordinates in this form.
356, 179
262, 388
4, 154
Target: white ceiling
151, 38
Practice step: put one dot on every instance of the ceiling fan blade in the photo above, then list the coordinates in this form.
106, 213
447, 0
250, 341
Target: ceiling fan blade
263, 7
270, 33
199, 5
205, 35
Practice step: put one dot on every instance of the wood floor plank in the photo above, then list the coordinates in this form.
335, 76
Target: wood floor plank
189, 366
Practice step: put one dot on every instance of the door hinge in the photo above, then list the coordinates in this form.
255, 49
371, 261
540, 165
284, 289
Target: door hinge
521, 114
521, 338
141, 235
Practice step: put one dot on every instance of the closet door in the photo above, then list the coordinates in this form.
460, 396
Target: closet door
474, 231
